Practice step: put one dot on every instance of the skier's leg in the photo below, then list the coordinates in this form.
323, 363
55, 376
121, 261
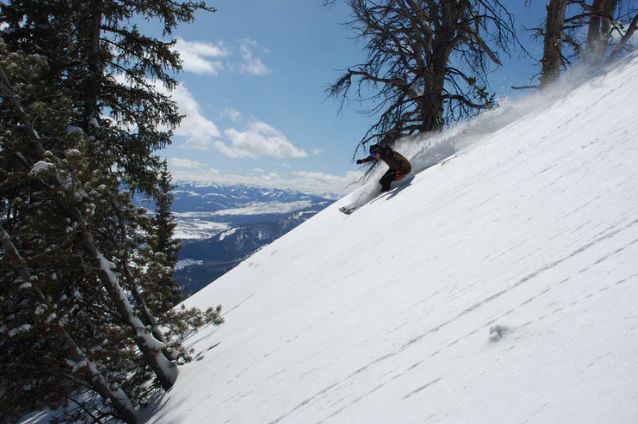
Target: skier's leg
386, 180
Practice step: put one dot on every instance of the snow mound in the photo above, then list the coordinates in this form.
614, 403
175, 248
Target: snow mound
384, 316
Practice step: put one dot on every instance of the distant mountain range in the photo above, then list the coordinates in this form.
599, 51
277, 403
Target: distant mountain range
220, 226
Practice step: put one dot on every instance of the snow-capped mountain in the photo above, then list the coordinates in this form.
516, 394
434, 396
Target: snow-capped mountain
498, 287
201, 197
204, 210
205, 260
222, 225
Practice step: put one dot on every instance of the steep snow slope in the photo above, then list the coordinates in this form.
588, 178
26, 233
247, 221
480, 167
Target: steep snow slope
499, 287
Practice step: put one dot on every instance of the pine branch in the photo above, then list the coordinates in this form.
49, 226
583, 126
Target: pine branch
90, 373
165, 371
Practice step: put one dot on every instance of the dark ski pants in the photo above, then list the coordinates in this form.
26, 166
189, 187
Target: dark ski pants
388, 177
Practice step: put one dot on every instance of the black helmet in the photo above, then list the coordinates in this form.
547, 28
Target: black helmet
376, 148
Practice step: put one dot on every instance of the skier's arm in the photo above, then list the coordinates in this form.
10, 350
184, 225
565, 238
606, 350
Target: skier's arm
366, 160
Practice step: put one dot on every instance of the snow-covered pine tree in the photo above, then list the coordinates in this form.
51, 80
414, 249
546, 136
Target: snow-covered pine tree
81, 317
166, 294
153, 265
54, 315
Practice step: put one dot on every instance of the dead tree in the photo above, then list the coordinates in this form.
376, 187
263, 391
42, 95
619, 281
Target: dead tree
563, 40
599, 30
633, 25
427, 62
552, 60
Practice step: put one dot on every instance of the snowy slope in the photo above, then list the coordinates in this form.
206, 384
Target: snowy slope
498, 287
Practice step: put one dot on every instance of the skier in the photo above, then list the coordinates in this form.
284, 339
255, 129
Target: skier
399, 165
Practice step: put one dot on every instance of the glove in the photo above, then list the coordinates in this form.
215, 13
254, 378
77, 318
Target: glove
359, 161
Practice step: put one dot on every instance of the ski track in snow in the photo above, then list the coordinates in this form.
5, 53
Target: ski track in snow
498, 287
468, 310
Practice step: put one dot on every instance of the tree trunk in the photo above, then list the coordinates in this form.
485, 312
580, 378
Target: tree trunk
607, 20
553, 42
147, 317
599, 30
432, 103
94, 63
118, 399
621, 44
432, 106
151, 348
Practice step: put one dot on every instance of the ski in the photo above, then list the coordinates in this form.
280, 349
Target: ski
348, 209
395, 186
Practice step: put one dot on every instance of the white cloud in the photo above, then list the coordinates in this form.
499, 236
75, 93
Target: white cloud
252, 64
198, 56
309, 182
259, 139
209, 57
230, 113
185, 163
198, 130
329, 179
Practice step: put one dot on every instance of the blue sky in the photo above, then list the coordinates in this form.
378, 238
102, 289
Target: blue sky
253, 94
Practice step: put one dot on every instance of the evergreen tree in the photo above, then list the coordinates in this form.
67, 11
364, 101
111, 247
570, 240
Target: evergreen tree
167, 293
54, 314
87, 284
98, 54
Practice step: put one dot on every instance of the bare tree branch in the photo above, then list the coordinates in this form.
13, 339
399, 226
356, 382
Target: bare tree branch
410, 44
623, 41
